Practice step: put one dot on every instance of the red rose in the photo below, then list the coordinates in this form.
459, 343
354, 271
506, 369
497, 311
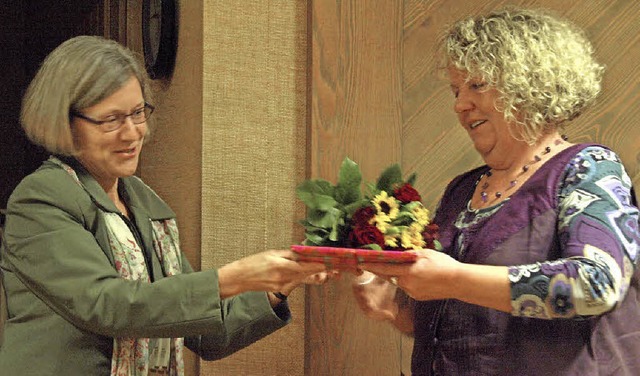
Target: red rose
406, 193
432, 228
430, 235
363, 215
366, 234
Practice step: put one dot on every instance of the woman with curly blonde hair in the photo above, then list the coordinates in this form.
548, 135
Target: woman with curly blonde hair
538, 273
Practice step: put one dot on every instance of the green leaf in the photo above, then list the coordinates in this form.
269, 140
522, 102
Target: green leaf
314, 238
336, 229
391, 176
372, 191
324, 219
312, 242
412, 179
347, 195
403, 219
316, 194
333, 235
349, 174
351, 208
412, 205
308, 227
349, 179
395, 230
372, 246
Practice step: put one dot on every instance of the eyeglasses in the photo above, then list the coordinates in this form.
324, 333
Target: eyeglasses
115, 122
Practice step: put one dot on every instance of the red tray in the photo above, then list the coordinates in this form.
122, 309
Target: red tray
349, 257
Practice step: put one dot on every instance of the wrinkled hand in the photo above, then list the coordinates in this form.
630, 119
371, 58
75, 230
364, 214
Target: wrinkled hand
275, 270
375, 297
428, 278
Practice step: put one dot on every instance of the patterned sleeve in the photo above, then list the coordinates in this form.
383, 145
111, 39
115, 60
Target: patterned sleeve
598, 235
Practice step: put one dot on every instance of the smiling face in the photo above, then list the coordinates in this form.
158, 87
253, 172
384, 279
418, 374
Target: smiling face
112, 155
475, 105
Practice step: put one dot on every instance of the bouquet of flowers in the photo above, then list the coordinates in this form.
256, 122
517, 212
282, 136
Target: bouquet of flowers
388, 215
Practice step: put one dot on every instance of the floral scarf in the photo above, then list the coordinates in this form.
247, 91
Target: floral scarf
132, 356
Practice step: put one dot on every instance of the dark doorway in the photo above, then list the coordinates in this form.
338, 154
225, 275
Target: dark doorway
29, 30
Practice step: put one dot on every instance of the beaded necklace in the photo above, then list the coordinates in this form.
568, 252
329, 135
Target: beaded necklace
484, 196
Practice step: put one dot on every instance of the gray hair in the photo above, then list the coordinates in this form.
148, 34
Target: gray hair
79, 73
542, 66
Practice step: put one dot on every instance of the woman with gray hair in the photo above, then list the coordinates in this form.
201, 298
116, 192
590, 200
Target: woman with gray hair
95, 279
538, 274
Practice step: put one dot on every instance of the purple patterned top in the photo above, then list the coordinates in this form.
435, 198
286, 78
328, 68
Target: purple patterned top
569, 236
588, 280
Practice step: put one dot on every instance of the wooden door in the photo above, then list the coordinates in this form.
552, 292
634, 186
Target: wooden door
375, 99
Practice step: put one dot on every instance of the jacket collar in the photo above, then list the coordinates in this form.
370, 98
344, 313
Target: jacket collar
139, 198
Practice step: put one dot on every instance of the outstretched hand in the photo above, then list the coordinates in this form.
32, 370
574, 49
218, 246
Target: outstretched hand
275, 270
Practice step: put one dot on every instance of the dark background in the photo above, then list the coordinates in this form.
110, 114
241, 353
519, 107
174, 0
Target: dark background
28, 32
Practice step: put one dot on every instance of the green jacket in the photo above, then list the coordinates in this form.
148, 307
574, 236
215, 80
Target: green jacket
66, 301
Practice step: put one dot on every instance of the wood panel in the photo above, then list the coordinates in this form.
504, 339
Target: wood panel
351, 116
356, 98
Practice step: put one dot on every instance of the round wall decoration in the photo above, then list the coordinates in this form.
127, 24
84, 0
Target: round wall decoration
159, 36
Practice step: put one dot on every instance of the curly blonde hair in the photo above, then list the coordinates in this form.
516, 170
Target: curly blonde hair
542, 66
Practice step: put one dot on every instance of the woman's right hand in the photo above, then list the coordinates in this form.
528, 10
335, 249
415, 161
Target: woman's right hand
375, 297
274, 270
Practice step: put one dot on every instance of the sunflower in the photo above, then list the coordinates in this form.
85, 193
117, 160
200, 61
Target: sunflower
391, 241
381, 221
421, 214
386, 204
412, 237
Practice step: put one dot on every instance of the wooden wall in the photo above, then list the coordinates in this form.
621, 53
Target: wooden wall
375, 99
356, 102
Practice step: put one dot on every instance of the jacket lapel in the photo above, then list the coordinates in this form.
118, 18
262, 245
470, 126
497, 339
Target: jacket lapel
144, 205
